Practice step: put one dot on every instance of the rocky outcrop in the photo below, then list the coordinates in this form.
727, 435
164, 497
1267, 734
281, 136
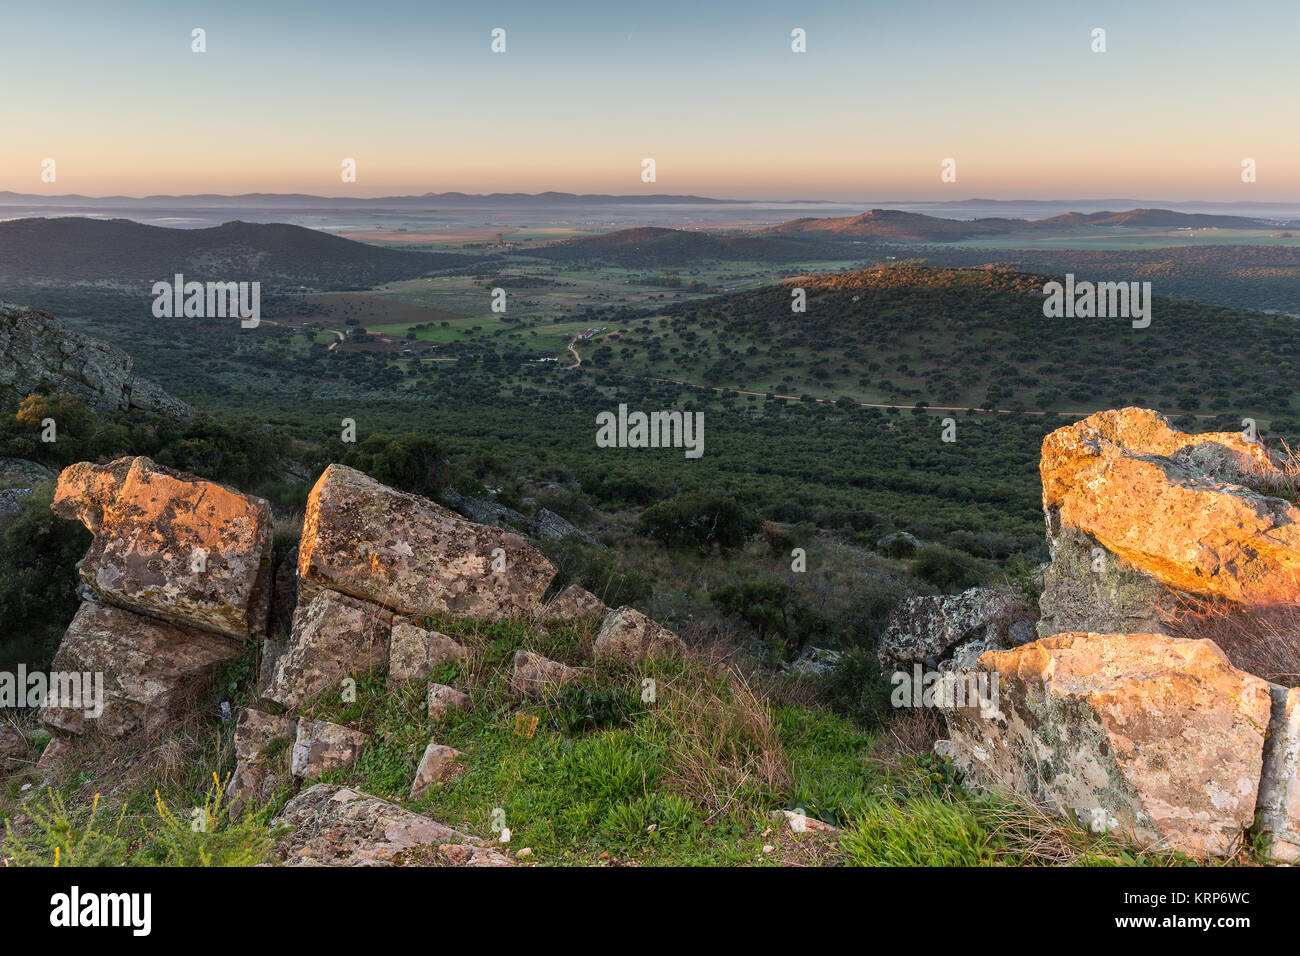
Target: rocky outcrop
534, 676
262, 748
575, 603
628, 636
1158, 738
1139, 514
953, 630
439, 764
321, 746
1279, 790
413, 556
44, 356
152, 670
171, 545
337, 826
333, 637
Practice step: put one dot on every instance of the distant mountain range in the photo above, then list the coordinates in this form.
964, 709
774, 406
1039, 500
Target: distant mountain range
302, 200
283, 257
895, 224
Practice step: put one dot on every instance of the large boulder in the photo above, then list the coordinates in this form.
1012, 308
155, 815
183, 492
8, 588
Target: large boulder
262, 748
1140, 515
152, 670
337, 826
171, 545
333, 637
1279, 790
412, 555
953, 630
1158, 738
628, 636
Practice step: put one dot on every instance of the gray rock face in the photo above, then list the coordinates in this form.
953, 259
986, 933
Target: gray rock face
548, 524
262, 747
18, 480
952, 630
534, 675
321, 746
151, 669
1279, 789
575, 603
333, 637
486, 511
1088, 588
438, 765
336, 826
813, 662
628, 636
42, 355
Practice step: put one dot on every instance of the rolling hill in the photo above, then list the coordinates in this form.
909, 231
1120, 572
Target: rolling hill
652, 247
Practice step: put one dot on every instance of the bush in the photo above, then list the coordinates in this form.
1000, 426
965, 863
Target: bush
700, 519
948, 569
409, 462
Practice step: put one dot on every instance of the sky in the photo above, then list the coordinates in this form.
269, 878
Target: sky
711, 91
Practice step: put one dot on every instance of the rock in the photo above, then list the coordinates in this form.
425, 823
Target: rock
628, 636
813, 662
485, 511
272, 651
1279, 789
152, 670
1157, 738
44, 356
438, 765
952, 630
337, 826
415, 652
13, 749
168, 544
284, 593
443, 698
944, 750
333, 637
262, 743
534, 675
574, 603
413, 556
548, 524
18, 481
1181, 514
898, 544
321, 746
802, 823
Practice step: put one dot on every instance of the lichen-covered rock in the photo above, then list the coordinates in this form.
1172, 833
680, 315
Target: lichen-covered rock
151, 670
1279, 789
442, 698
574, 603
333, 637
1158, 738
337, 826
953, 630
1191, 512
626, 635
534, 675
414, 556
262, 747
321, 746
415, 652
44, 356
13, 749
439, 764
171, 545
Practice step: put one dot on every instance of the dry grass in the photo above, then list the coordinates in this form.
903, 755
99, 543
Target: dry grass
1264, 641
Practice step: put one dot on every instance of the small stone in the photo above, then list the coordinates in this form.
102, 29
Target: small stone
443, 698
322, 746
438, 765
